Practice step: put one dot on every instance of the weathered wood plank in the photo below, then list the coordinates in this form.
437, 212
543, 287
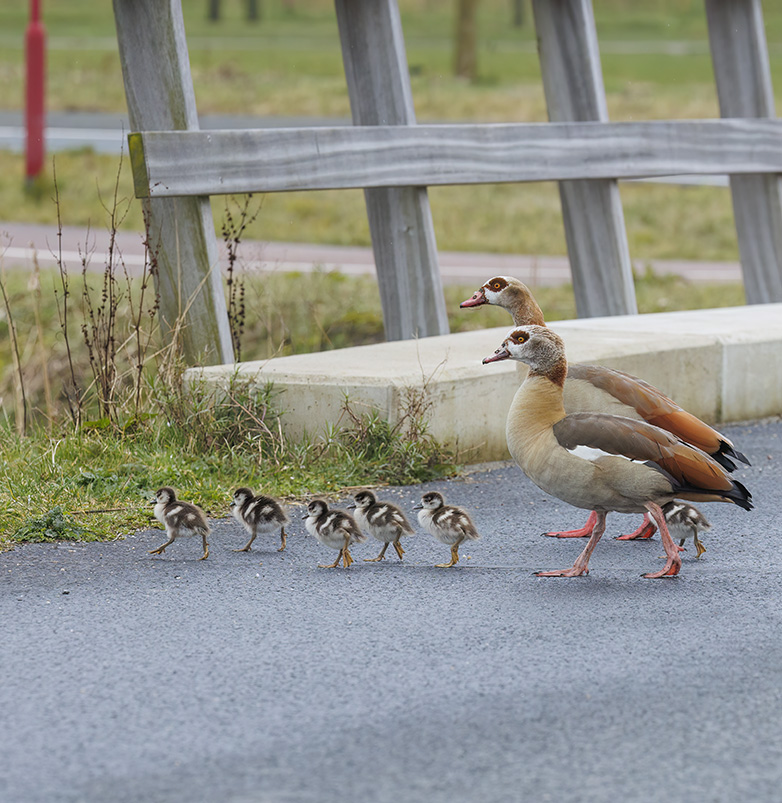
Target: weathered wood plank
592, 211
743, 75
159, 91
400, 220
279, 160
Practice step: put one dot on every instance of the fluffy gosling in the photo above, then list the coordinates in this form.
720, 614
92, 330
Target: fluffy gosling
447, 523
686, 521
259, 514
179, 519
335, 529
382, 521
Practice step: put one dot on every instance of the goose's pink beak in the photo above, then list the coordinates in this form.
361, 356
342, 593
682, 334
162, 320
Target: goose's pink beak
501, 354
475, 300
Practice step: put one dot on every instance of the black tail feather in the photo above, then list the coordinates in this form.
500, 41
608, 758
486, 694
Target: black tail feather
726, 455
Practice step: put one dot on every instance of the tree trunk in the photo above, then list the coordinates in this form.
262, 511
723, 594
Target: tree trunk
518, 13
466, 55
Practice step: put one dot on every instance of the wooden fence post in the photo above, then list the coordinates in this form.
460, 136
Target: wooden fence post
400, 219
159, 92
592, 210
739, 55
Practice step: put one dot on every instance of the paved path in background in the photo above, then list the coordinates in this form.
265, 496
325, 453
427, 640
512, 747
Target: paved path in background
258, 677
22, 241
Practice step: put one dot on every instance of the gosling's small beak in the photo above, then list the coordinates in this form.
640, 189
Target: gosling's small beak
418, 507
501, 354
475, 300
352, 507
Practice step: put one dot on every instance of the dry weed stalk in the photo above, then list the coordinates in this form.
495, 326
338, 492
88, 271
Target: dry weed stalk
20, 398
72, 391
117, 391
35, 288
232, 231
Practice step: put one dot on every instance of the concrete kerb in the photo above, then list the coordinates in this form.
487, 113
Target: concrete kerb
724, 365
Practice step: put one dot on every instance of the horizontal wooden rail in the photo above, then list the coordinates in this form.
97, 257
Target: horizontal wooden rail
172, 163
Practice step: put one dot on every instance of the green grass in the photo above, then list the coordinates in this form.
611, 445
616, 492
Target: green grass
102, 480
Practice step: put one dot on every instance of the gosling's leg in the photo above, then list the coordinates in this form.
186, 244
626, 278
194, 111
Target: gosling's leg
246, 547
161, 549
454, 556
698, 545
206, 548
674, 562
331, 565
379, 557
283, 539
399, 550
581, 566
347, 558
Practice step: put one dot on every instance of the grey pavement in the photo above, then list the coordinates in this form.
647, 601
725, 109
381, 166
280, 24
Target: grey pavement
259, 677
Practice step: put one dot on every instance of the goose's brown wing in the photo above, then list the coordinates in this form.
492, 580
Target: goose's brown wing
657, 409
637, 440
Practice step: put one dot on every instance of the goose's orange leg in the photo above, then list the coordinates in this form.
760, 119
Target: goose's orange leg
581, 532
646, 530
581, 566
674, 562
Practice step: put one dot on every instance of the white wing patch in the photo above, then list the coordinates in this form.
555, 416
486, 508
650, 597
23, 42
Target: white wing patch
592, 454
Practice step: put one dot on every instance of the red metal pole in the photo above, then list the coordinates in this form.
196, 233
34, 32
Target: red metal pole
35, 49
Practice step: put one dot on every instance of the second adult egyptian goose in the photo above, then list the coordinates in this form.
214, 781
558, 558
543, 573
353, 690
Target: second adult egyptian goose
596, 389
638, 468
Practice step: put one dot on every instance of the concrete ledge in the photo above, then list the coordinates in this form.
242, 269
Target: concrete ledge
723, 365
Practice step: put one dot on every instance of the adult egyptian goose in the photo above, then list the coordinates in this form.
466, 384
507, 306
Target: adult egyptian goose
335, 529
638, 468
447, 523
595, 389
259, 514
382, 521
179, 519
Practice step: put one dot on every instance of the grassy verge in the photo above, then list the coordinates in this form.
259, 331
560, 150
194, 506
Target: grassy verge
101, 479
101, 472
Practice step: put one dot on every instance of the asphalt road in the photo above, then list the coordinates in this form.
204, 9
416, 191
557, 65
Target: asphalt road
259, 677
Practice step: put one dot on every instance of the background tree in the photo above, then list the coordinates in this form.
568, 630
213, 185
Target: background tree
466, 54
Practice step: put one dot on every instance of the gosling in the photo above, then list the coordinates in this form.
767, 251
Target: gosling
335, 529
179, 519
259, 514
447, 523
382, 521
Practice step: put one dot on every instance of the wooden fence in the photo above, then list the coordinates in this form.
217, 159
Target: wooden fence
176, 167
